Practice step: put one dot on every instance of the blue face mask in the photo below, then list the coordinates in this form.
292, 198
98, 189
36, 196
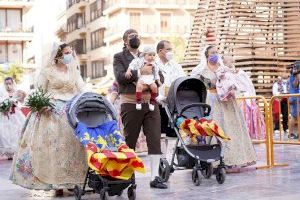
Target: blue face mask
213, 59
67, 59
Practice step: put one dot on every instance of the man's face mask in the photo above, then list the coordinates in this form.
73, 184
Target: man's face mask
134, 42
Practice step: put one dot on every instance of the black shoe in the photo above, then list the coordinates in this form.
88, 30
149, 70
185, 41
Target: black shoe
293, 136
158, 183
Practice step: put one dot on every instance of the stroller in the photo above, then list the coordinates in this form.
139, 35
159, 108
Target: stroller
92, 109
185, 99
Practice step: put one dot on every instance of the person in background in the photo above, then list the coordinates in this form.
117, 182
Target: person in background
171, 70
11, 122
254, 118
294, 101
280, 87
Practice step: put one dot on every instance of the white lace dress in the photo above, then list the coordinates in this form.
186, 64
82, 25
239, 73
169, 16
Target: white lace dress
49, 156
10, 127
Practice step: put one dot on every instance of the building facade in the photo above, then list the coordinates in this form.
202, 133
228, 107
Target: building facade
16, 34
94, 28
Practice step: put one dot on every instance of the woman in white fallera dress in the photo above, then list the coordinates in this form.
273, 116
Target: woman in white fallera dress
11, 122
49, 155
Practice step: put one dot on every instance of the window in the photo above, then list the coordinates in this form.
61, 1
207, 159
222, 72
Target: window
70, 3
96, 9
97, 39
135, 20
79, 46
10, 20
3, 52
11, 52
165, 22
14, 52
83, 71
98, 69
74, 22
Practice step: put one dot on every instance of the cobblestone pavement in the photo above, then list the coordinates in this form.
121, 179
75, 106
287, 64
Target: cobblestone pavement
274, 184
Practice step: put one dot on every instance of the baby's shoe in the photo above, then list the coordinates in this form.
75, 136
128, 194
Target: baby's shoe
138, 106
151, 107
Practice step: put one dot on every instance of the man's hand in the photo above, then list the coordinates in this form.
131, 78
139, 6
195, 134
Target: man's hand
147, 69
128, 74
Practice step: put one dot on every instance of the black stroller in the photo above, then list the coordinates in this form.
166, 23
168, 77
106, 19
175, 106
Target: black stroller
186, 98
93, 109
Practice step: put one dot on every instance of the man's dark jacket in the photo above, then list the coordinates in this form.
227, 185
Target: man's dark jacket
121, 63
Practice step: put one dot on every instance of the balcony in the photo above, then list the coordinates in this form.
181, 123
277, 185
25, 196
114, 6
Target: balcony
8, 34
23, 4
112, 6
76, 8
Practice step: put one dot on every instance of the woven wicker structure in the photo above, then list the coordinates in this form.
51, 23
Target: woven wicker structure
262, 35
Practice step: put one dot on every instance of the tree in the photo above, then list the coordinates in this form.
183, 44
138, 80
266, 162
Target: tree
14, 70
179, 45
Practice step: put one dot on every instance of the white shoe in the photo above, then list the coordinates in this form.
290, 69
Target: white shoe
276, 132
151, 107
138, 106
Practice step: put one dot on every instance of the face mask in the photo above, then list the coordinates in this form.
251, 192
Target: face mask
134, 42
67, 59
169, 56
213, 59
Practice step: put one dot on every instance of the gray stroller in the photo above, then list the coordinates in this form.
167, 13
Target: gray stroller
93, 110
186, 99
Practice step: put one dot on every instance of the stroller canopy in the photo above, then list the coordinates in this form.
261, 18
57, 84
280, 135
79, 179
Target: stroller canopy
185, 91
90, 109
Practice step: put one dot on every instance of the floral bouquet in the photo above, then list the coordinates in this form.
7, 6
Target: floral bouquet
38, 100
5, 106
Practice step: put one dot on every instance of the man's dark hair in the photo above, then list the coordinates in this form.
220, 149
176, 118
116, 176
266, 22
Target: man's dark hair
8, 78
161, 45
126, 33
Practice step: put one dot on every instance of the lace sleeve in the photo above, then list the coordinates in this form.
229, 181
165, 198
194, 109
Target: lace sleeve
42, 80
80, 84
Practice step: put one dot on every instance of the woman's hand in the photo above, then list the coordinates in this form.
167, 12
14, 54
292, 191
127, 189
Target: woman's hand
46, 111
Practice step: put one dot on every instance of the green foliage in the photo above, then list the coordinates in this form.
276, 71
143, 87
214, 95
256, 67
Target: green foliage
15, 71
5, 106
38, 100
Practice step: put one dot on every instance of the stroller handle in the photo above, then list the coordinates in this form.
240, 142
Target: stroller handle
204, 105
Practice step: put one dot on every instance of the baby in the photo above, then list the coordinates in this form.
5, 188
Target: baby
226, 80
145, 81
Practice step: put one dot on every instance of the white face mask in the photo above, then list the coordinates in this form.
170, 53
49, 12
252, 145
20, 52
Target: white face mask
169, 56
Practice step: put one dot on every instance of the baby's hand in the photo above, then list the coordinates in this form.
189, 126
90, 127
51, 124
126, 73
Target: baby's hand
128, 74
159, 83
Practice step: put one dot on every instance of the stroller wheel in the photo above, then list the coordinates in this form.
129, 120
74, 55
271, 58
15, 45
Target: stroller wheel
207, 171
131, 193
164, 170
77, 192
195, 177
103, 195
221, 176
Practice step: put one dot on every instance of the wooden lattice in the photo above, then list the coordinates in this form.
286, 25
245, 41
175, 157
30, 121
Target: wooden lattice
262, 35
